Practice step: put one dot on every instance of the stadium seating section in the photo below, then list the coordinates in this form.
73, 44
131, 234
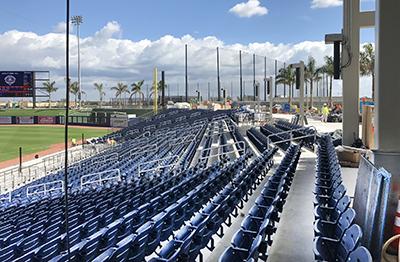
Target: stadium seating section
168, 188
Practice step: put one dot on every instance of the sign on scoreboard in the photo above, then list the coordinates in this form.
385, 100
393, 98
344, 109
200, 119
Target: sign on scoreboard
16, 84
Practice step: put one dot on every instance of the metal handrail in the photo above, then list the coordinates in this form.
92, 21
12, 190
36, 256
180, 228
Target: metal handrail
157, 160
100, 178
7, 198
232, 151
291, 136
44, 188
104, 157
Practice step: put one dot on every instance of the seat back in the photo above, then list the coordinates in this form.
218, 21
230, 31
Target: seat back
345, 221
138, 246
361, 254
350, 240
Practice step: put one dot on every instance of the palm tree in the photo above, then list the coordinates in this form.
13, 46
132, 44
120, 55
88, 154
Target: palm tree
367, 64
159, 88
74, 89
312, 74
328, 69
286, 76
49, 88
120, 88
136, 89
100, 89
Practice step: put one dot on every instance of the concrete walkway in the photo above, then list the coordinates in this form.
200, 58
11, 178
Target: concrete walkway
294, 237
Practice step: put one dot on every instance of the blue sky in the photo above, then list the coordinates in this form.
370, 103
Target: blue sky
285, 30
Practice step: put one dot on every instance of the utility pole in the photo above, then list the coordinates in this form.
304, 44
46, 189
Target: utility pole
77, 20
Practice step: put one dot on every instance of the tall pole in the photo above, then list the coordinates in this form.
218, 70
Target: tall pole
218, 80
254, 78
240, 75
163, 89
66, 136
276, 73
265, 78
301, 93
270, 94
231, 90
186, 75
208, 91
155, 92
79, 70
77, 19
284, 84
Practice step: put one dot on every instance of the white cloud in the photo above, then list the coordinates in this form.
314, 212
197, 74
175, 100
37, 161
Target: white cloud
108, 60
325, 3
249, 9
61, 28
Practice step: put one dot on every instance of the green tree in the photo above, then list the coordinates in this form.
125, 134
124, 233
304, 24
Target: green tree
49, 88
159, 89
102, 93
120, 88
137, 89
312, 73
286, 76
74, 89
367, 64
328, 69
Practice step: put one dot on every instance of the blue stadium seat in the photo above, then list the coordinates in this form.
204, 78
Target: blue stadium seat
332, 214
335, 230
169, 221
155, 232
361, 254
337, 250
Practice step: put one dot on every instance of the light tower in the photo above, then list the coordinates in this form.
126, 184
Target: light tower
77, 20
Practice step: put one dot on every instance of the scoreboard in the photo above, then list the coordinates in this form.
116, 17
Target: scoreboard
16, 84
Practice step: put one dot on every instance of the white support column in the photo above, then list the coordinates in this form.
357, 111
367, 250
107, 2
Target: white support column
353, 20
387, 95
387, 79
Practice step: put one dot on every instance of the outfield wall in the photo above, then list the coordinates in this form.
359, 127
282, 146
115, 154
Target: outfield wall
26, 120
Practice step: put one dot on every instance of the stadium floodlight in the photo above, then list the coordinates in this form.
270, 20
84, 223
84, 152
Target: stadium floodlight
77, 20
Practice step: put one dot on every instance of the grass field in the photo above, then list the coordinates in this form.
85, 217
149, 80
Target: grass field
37, 138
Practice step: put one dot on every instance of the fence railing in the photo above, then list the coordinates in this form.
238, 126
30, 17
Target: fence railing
160, 164
100, 178
15, 177
291, 139
45, 189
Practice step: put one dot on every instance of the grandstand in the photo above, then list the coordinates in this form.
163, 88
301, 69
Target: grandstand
172, 187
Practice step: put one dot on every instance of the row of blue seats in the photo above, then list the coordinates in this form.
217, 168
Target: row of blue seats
84, 167
269, 131
260, 224
198, 234
300, 132
336, 237
93, 200
26, 236
258, 139
168, 119
143, 241
78, 178
154, 203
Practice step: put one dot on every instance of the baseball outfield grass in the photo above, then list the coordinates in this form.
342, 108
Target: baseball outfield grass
33, 139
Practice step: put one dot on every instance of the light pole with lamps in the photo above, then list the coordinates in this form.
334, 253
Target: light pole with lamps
77, 19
